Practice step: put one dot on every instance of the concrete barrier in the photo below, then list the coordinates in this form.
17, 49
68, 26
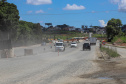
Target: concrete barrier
7, 53
28, 52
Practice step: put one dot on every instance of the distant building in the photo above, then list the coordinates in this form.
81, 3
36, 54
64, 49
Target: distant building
78, 30
101, 30
71, 28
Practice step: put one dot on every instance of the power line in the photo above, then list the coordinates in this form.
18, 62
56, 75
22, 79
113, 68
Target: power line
74, 13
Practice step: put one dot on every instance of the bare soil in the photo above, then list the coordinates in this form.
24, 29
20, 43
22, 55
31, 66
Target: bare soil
109, 70
113, 69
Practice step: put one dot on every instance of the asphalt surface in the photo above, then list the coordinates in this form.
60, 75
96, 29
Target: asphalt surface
47, 66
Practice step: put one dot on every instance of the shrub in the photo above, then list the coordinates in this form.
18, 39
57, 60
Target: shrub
115, 39
123, 38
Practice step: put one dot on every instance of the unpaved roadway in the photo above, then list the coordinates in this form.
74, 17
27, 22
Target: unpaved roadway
48, 67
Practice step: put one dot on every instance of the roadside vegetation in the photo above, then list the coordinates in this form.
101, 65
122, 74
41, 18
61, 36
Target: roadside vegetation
115, 31
120, 39
100, 35
20, 32
68, 36
110, 52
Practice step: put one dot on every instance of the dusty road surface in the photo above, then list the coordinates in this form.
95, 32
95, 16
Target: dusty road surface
48, 67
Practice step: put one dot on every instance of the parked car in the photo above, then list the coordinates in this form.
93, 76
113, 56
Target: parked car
59, 46
73, 44
86, 46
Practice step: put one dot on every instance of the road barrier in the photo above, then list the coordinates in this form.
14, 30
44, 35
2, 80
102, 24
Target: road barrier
28, 52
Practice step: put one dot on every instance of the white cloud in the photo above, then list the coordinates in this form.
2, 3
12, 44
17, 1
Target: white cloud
114, 1
121, 4
39, 11
39, 2
102, 23
74, 7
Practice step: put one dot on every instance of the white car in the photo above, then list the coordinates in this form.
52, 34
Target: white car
59, 46
73, 44
86, 39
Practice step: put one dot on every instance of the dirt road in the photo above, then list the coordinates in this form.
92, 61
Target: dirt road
48, 67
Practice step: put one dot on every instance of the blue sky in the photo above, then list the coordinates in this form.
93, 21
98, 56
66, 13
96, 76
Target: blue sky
71, 12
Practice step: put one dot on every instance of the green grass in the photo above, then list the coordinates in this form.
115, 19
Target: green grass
110, 52
123, 38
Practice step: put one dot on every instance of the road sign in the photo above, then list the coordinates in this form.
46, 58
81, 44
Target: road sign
103, 42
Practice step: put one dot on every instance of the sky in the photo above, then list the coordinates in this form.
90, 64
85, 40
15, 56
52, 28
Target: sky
71, 12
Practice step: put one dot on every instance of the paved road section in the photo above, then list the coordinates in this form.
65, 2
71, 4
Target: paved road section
47, 67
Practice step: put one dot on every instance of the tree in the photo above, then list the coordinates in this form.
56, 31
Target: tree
113, 28
63, 26
9, 17
3, 0
29, 32
124, 29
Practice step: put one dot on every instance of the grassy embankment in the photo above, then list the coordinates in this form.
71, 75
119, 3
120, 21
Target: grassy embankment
110, 52
121, 39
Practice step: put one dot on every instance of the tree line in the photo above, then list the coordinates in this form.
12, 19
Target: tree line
19, 31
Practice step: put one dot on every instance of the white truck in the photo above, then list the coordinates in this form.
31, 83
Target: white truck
92, 40
59, 46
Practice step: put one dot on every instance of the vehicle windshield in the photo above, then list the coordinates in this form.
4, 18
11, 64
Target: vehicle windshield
86, 44
59, 44
73, 43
